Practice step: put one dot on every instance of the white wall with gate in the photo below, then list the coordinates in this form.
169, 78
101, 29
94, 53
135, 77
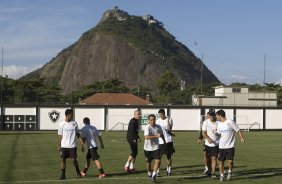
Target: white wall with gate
117, 117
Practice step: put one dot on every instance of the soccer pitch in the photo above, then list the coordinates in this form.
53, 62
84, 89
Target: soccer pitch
32, 157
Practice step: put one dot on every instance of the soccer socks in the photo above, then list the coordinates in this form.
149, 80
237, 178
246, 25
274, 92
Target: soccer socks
63, 174
85, 170
101, 170
127, 164
131, 165
168, 170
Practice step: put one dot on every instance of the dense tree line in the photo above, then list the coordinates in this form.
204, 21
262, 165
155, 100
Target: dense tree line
168, 91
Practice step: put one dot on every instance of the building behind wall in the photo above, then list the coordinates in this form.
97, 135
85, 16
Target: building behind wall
236, 96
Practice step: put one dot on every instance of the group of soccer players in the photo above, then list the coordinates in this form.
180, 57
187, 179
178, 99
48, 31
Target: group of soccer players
68, 130
219, 143
158, 141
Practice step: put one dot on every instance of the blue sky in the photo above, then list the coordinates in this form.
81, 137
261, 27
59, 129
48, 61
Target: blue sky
234, 36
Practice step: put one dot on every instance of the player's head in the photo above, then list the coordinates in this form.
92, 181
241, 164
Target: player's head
69, 115
152, 119
211, 112
137, 114
162, 113
220, 115
86, 121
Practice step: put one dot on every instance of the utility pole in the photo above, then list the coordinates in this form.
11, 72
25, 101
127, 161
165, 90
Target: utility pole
202, 67
264, 71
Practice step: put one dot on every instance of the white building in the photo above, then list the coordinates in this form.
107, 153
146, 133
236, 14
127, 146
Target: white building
236, 96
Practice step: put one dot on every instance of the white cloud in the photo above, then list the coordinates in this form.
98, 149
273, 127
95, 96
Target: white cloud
238, 77
15, 72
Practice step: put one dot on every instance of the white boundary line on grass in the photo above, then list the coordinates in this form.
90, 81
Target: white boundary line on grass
96, 178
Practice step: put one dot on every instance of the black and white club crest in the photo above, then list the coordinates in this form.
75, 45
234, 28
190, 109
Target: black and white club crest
54, 116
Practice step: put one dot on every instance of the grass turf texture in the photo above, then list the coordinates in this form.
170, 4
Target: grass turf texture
32, 157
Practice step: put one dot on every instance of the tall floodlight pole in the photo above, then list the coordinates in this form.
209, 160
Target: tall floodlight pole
2, 76
264, 71
202, 67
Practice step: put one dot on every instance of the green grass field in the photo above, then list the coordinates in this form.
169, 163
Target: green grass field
31, 157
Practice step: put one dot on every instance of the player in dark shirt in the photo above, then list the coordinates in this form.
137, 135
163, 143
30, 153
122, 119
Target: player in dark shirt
133, 139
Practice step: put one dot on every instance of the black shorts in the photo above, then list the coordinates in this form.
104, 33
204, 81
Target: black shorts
226, 154
211, 151
151, 155
92, 154
134, 150
167, 149
68, 153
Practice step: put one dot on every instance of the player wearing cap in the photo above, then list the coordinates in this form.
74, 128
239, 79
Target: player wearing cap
209, 129
226, 129
166, 148
206, 121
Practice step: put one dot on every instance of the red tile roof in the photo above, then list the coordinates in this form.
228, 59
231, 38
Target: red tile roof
114, 99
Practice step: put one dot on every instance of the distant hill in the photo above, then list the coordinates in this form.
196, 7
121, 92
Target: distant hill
134, 49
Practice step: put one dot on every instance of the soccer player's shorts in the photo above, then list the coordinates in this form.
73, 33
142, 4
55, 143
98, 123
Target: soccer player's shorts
226, 154
134, 150
151, 155
68, 153
167, 149
211, 151
92, 154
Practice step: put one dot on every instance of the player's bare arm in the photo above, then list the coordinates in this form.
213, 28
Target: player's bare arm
60, 137
241, 137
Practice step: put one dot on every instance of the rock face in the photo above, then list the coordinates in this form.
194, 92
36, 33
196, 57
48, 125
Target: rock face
136, 50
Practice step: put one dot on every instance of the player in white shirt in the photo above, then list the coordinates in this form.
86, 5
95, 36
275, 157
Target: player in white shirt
226, 129
207, 117
209, 129
67, 131
152, 133
89, 135
166, 148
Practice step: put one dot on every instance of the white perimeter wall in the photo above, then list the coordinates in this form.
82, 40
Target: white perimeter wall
273, 119
249, 116
183, 118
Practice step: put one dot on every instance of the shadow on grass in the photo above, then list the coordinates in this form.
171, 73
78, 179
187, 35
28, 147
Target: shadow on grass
10, 164
258, 173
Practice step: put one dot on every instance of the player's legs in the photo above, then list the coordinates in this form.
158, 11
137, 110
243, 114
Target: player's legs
230, 157
129, 166
64, 156
87, 163
213, 164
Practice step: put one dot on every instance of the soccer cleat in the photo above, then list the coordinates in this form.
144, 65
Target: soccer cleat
229, 176
103, 175
153, 178
206, 172
158, 174
132, 170
221, 178
83, 174
62, 177
213, 176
